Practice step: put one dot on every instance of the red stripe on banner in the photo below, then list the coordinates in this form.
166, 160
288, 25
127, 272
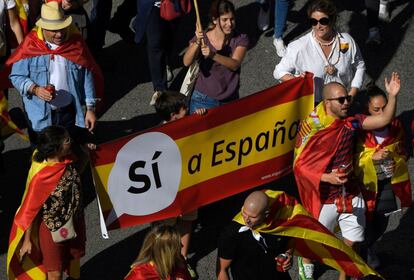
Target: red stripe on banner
276, 95
212, 190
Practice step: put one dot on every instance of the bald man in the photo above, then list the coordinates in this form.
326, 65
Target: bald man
250, 254
323, 163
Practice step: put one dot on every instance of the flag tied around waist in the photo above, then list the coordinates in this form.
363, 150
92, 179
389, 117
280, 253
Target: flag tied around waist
182, 165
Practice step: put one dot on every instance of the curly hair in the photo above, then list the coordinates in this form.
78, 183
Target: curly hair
49, 142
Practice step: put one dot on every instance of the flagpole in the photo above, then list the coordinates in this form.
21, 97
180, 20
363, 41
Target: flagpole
198, 19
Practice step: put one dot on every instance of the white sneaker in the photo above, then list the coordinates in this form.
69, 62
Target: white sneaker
263, 18
374, 36
170, 74
305, 270
384, 12
280, 46
154, 97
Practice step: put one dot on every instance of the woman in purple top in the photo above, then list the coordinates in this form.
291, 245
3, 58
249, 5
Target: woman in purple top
220, 51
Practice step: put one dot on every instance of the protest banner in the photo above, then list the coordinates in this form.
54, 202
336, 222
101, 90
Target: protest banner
182, 165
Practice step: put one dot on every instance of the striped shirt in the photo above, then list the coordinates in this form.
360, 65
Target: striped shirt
343, 156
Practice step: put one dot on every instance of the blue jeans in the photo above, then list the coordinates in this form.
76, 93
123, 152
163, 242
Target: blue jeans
281, 11
200, 100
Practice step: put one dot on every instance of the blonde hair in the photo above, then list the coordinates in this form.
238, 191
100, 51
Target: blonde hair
162, 246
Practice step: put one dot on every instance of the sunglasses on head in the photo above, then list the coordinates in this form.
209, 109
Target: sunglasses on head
342, 99
322, 21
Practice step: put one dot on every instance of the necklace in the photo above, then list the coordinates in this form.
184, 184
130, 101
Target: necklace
326, 44
330, 69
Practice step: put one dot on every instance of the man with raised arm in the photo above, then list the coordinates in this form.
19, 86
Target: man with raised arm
323, 163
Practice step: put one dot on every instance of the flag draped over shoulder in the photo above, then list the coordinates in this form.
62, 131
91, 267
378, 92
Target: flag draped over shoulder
7, 127
310, 238
41, 181
365, 169
74, 49
316, 143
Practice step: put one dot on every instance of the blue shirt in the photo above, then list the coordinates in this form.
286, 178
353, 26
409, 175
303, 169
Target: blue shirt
35, 70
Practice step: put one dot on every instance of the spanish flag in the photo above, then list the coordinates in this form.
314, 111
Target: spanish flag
365, 170
310, 238
316, 143
74, 49
41, 181
7, 127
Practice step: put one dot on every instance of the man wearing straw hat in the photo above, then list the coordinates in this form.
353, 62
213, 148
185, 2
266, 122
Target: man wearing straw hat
56, 75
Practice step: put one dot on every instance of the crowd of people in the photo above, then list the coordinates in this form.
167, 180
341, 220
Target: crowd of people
349, 168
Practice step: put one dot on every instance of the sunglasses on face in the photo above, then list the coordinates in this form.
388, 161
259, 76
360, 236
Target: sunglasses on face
322, 21
342, 99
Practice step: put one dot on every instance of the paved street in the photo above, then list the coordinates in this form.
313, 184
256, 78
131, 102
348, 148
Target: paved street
129, 89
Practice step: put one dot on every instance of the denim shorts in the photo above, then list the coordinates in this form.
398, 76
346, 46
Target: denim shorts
200, 100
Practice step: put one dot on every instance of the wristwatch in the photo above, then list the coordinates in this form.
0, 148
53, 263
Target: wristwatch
90, 108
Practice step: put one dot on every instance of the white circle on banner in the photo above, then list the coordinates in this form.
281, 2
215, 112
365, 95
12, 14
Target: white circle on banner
146, 175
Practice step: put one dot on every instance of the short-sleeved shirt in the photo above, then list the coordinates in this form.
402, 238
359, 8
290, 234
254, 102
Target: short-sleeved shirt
344, 155
214, 79
249, 259
4, 6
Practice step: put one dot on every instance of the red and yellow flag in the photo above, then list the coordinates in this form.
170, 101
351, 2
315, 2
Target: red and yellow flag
365, 170
316, 143
41, 181
310, 238
7, 127
185, 164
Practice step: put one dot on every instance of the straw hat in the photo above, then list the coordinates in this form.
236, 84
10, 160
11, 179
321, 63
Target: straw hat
52, 17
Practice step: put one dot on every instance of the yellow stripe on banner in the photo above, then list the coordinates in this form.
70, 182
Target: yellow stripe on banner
216, 146
101, 181
223, 152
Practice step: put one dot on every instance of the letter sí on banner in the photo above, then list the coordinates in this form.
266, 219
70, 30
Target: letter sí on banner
182, 165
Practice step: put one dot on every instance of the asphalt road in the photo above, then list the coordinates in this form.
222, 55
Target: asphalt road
129, 90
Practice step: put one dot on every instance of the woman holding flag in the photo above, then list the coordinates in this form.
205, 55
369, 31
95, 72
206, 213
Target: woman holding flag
381, 164
220, 52
48, 232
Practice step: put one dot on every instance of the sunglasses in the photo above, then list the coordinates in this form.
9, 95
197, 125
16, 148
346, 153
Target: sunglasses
342, 99
322, 21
